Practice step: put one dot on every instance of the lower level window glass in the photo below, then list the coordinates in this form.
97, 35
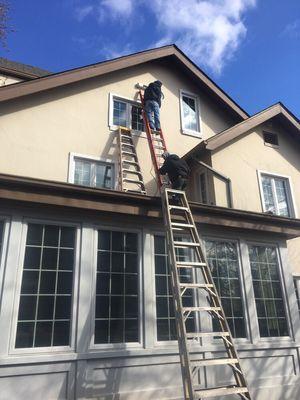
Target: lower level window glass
267, 290
223, 260
117, 288
165, 316
44, 315
1, 237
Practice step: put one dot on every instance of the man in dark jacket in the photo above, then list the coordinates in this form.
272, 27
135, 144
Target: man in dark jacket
177, 170
152, 98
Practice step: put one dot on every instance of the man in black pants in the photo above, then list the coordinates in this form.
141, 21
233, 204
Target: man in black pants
177, 170
152, 99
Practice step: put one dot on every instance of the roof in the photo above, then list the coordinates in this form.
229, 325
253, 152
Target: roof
20, 70
277, 111
73, 200
171, 52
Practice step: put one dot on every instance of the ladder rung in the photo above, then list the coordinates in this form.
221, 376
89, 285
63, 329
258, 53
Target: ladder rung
127, 136
158, 147
196, 285
220, 391
178, 208
186, 244
132, 181
191, 335
131, 171
128, 153
214, 361
127, 144
124, 128
187, 264
130, 162
158, 139
184, 309
180, 225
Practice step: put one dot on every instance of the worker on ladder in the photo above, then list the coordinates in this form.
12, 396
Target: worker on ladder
152, 99
177, 170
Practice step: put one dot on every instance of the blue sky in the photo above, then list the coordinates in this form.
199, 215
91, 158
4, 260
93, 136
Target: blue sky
251, 48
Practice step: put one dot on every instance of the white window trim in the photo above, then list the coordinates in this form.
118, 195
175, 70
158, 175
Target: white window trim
244, 299
268, 339
5, 233
127, 345
185, 131
71, 170
114, 96
290, 192
17, 290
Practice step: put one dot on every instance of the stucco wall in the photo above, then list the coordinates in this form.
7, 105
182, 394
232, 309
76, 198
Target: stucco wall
37, 133
8, 80
241, 161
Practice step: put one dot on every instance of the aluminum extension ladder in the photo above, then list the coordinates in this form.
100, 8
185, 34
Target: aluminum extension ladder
178, 219
130, 175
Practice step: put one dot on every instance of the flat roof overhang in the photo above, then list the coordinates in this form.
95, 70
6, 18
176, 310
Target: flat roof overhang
16, 191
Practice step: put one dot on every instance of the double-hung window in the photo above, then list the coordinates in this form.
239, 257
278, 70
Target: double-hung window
91, 172
126, 113
276, 195
190, 116
45, 306
267, 291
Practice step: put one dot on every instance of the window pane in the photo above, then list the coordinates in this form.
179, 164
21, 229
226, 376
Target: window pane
104, 175
117, 319
41, 305
267, 290
137, 122
222, 258
268, 194
282, 198
120, 114
189, 113
83, 174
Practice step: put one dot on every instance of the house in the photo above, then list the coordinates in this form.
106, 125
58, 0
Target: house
85, 300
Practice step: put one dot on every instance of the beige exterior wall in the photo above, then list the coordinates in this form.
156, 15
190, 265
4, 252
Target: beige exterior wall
8, 80
243, 158
38, 132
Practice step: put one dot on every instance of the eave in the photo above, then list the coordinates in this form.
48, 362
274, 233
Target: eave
37, 194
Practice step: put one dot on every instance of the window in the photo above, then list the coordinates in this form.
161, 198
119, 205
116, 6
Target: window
190, 114
126, 113
270, 138
223, 260
165, 317
44, 315
93, 173
276, 194
267, 291
117, 288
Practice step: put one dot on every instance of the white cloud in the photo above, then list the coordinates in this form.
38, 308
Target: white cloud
83, 12
292, 30
209, 31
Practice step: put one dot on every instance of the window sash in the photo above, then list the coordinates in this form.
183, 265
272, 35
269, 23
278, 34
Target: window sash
224, 261
93, 173
117, 314
192, 126
276, 195
45, 311
131, 114
268, 292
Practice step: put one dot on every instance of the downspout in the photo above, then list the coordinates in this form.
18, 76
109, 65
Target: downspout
223, 178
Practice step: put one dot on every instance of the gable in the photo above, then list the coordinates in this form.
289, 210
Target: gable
172, 54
